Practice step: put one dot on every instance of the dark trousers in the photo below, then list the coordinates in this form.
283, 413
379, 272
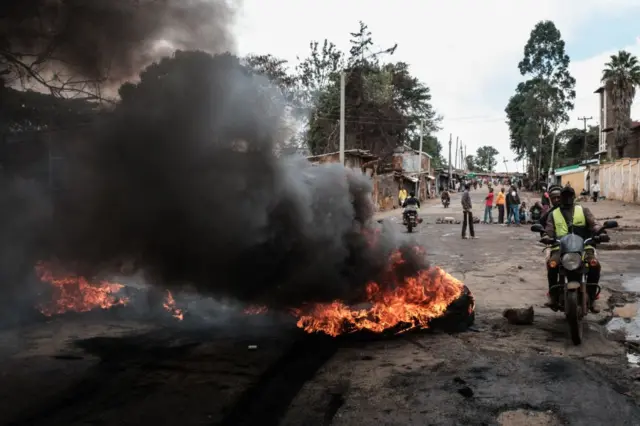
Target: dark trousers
467, 217
500, 213
595, 196
593, 276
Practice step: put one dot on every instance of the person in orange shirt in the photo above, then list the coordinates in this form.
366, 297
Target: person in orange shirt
500, 205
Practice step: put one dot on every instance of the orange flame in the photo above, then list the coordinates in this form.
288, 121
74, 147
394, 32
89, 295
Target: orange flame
76, 293
170, 306
410, 304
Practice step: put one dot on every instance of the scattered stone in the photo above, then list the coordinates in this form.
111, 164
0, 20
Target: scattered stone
522, 280
459, 381
520, 316
448, 220
466, 391
626, 311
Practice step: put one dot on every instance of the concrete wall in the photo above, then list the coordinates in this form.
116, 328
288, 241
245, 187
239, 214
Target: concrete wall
619, 180
577, 180
385, 192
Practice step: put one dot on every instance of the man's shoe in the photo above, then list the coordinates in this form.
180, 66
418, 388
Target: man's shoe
552, 303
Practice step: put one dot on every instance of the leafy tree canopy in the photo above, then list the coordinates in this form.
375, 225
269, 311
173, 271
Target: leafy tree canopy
470, 162
543, 101
621, 76
485, 159
571, 145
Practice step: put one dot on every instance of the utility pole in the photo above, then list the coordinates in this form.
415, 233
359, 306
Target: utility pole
418, 189
462, 162
450, 171
342, 107
465, 155
584, 148
505, 164
455, 164
420, 149
541, 137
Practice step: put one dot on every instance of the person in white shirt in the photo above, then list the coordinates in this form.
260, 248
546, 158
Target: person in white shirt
595, 191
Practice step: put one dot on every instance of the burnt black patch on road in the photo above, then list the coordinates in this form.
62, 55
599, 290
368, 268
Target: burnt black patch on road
240, 374
266, 402
476, 386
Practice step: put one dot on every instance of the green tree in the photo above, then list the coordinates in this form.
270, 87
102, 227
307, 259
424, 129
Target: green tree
621, 77
319, 71
546, 98
277, 73
572, 145
470, 162
384, 102
486, 158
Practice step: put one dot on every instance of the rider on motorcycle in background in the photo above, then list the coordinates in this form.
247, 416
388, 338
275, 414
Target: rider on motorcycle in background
410, 204
444, 196
584, 225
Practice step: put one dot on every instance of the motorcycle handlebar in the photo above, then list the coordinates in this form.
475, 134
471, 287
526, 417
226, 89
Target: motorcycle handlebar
601, 238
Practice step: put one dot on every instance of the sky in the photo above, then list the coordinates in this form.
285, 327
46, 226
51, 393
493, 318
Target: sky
466, 51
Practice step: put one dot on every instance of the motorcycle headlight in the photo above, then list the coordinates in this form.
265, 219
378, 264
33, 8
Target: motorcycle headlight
572, 261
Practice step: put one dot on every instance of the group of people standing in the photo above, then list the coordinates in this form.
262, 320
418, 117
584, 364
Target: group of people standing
508, 202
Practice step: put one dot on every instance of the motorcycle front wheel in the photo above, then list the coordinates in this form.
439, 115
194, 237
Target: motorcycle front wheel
572, 309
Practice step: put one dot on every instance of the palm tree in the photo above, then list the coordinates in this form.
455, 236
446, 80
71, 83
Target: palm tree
621, 76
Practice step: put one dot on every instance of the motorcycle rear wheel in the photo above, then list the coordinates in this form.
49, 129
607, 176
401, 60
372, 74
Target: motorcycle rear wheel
573, 313
409, 228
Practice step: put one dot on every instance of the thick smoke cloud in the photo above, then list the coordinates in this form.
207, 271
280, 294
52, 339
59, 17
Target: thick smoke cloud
113, 39
181, 181
184, 181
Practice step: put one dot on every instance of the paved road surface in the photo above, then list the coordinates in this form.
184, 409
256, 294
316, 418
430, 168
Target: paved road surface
497, 374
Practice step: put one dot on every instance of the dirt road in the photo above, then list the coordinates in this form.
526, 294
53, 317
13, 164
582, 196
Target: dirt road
496, 374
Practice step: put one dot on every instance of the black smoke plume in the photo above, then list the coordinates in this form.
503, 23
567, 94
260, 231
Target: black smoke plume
181, 181
184, 182
110, 39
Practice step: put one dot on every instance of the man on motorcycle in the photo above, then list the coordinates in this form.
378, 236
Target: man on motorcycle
410, 204
585, 225
554, 199
445, 197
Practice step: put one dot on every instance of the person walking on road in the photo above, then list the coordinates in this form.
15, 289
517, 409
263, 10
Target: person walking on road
513, 201
402, 195
488, 206
467, 214
595, 191
500, 205
509, 210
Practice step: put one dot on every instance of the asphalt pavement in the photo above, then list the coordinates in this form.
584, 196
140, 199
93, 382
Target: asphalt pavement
79, 371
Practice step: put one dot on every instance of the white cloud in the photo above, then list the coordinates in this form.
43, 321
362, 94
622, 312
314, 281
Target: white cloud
464, 50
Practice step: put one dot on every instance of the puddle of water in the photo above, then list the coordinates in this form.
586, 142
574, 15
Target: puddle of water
631, 282
629, 327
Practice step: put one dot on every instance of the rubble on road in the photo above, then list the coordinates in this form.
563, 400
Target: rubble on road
519, 316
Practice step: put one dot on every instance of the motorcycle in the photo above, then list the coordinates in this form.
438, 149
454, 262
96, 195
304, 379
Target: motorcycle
411, 219
572, 277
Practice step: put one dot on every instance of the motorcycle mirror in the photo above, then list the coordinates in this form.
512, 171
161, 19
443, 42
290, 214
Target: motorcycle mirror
537, 228
609, 224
